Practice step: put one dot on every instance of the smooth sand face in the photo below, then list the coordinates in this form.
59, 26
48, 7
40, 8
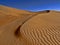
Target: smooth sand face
10, 20
19, 27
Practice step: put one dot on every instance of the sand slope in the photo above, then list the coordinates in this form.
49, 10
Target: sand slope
10, 20
19, 27
43, 29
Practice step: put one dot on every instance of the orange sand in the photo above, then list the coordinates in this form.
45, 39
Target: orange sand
20, 27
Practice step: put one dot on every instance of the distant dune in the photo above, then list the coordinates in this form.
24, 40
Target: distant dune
20, 27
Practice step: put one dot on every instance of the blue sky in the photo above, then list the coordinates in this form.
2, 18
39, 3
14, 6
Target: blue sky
32, 5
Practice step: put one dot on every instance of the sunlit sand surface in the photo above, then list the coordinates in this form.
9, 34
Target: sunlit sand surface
20, 27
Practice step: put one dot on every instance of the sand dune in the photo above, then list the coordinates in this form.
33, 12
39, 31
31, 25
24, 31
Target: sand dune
20, 27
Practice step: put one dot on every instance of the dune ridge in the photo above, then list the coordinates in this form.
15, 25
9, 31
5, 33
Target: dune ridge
20, 27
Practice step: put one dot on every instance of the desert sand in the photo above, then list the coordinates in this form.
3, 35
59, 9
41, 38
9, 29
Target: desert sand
20, 27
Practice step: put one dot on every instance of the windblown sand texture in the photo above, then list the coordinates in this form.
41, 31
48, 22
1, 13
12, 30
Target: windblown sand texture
20, 27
